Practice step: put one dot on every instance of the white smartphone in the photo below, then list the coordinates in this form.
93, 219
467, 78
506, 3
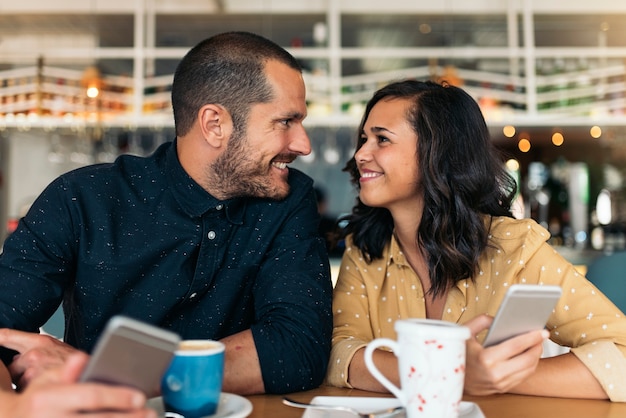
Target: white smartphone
132, 353
524, 308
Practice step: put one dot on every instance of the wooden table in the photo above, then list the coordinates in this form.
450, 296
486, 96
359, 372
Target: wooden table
497, 406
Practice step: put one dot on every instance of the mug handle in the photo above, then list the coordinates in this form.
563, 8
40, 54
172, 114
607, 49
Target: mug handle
369, 351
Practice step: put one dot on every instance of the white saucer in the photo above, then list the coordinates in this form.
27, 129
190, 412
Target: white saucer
367, 405
231, 406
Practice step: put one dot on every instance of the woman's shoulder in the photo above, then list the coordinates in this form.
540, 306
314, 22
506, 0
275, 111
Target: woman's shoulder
507, 231
505, 227
353, 251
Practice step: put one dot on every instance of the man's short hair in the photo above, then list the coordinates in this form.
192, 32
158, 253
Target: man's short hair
226, 69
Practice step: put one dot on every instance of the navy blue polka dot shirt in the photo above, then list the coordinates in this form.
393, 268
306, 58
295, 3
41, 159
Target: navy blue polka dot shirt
139, 237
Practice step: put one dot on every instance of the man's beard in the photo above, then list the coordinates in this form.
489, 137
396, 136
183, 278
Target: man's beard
234, 174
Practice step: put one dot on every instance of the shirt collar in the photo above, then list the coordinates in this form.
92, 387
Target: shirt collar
192, 198
397, 256
395, 252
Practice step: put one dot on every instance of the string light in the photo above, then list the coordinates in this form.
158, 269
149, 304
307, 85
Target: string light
512, 165
92, 92
524, 145
558, 139
595, 132
509, 131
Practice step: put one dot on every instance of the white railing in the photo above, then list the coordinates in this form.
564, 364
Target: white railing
51, 95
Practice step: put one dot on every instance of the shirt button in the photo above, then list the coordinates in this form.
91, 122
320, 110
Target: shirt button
219, 207
211, 235
193, 295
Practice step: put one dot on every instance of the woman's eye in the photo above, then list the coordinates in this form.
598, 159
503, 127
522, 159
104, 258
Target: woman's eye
382, 138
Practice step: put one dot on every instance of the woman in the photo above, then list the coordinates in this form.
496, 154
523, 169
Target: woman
432, 236
56, 393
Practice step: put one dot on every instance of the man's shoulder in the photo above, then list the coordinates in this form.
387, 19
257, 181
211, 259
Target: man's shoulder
125, 166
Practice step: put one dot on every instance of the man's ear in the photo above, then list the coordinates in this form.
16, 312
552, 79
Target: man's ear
215, 124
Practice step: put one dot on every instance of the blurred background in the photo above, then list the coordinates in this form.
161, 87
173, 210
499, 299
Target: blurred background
82, 81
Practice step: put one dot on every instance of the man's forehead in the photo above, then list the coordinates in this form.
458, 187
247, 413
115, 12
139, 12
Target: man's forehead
288, 89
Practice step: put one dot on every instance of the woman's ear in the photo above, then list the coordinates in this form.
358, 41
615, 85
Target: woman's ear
215, 124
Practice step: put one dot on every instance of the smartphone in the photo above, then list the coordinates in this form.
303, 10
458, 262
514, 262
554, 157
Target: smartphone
131, 353
525, 308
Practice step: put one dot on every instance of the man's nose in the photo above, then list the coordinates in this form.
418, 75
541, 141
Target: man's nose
300, 144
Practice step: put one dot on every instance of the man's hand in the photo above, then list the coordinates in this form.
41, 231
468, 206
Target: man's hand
54, 393
499, 368
37, 353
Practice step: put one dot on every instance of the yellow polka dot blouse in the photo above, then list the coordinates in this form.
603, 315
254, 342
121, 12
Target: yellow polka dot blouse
369, 298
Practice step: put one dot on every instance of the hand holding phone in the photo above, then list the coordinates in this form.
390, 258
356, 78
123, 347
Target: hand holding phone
525, 308
131, 353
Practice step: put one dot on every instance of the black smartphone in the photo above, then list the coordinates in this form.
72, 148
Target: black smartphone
524, 308
132, 353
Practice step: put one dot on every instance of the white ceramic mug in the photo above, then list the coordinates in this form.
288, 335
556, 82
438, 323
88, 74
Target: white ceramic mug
431, 363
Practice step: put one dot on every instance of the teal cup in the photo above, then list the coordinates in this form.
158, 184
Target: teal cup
192, 385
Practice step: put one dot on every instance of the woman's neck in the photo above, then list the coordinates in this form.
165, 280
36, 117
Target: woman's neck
407, 239
405, 231
406, 221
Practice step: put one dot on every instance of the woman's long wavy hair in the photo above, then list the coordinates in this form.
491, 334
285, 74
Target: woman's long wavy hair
463, 178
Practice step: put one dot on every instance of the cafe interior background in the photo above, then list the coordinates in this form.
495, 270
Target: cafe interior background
82, 81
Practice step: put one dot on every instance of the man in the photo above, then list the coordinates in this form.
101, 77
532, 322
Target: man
212, 236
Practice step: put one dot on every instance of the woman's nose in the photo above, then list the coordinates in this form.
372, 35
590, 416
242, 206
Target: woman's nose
363, 153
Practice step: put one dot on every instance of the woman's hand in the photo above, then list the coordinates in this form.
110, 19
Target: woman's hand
55, 393
499, 368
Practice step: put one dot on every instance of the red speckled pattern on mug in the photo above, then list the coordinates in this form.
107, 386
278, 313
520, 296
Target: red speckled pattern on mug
433, 375
431, 363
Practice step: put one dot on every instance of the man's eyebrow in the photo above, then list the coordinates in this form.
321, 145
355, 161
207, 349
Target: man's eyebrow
295, 115
290, 115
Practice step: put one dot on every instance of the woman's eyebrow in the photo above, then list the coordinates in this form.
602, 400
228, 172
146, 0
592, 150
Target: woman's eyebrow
379, 129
